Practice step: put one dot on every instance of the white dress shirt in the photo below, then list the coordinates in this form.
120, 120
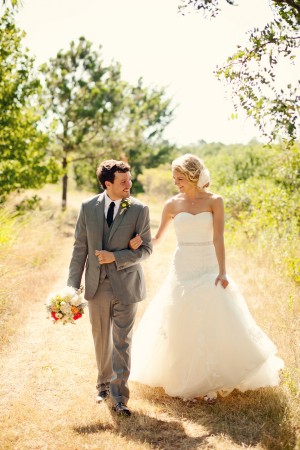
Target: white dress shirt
108, 202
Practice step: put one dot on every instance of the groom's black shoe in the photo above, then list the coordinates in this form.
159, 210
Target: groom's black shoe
122, 410
102, 396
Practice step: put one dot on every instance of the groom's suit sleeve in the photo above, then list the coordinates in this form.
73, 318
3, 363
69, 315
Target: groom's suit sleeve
127, 257
80, 251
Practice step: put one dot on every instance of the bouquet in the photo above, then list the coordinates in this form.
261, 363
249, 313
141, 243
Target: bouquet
66, 306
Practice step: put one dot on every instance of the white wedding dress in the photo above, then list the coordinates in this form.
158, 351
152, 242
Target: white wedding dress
196, 338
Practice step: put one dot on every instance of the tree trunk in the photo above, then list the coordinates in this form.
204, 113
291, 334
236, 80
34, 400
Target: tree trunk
64, 184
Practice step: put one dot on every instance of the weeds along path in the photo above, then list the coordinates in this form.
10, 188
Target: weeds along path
48, 376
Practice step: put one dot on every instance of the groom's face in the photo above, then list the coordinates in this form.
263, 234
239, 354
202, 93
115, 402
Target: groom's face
120, 188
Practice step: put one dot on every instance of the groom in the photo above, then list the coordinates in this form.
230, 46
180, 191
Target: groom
114, 280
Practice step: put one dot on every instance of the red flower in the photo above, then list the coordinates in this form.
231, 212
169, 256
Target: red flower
77, 316
53, 315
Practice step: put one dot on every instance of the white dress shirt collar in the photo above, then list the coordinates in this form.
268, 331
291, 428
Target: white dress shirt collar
107, 202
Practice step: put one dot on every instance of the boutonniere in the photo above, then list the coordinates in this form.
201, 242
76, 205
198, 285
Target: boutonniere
125, 204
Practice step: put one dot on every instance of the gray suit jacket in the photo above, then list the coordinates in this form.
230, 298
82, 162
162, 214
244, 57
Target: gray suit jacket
125, 273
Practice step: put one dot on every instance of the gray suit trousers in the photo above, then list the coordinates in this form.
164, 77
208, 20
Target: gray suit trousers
112, 328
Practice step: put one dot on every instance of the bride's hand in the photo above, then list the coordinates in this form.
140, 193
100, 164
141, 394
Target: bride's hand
223, 280
135, 242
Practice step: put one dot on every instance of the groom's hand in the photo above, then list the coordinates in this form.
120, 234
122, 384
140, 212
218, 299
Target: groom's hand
105, 257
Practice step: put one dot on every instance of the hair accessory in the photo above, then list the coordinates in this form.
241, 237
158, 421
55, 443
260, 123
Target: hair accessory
204, 178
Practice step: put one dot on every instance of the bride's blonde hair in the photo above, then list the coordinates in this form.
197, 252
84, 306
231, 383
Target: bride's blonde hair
193, 168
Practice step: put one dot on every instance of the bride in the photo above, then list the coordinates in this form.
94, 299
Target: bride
197, 337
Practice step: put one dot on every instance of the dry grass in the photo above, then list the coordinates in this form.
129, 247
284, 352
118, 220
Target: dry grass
31, 259
49, 372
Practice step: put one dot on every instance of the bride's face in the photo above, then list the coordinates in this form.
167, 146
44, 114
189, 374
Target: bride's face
182, 183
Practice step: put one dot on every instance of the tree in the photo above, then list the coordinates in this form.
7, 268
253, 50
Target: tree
81, 98
24, 162
139, 126
252, 74
94, 113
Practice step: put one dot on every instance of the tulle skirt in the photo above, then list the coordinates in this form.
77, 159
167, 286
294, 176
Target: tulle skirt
196, 338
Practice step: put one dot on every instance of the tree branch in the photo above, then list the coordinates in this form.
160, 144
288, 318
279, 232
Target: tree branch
89, 156
291, 3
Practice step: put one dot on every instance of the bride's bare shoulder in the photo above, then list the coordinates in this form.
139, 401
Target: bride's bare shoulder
217, 203
213, 195
172, 204
174, 200
216, 197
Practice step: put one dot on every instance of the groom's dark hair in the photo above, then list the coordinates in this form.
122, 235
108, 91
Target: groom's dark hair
107, 169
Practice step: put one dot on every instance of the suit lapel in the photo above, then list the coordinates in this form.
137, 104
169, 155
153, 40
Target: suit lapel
100, 217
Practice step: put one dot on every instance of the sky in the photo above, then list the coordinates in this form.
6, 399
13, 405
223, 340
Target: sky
152, 40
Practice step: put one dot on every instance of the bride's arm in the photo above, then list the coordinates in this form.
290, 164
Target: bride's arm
166, 218
218, 238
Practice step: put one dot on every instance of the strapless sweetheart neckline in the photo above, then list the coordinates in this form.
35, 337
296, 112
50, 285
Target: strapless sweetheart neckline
191, 214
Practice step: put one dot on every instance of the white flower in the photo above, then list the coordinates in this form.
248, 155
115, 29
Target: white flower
76, 300
65, 307
58, 315
204, 178
67, 293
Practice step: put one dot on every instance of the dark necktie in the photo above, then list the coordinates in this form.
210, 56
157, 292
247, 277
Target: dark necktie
110, 214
